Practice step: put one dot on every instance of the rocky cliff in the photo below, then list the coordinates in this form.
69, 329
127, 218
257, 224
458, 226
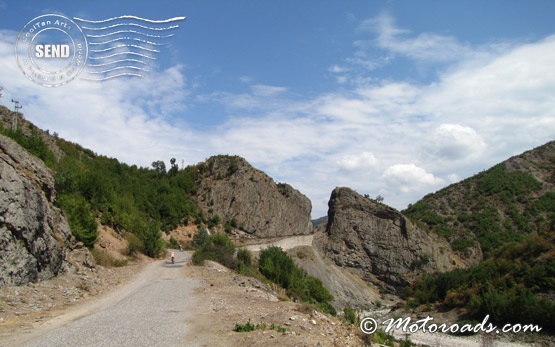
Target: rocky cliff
34, 234
247, 198
379, 244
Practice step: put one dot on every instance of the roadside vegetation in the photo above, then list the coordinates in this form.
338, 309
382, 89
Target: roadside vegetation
274, 265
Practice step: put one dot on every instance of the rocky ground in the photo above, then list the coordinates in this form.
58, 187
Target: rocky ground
232, 299
23, 306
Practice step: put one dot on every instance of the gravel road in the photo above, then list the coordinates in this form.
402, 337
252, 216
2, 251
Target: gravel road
151, 310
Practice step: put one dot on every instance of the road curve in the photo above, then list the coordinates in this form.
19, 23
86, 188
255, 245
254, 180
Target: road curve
152, 310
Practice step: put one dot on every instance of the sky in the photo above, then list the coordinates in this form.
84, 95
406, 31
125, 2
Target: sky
390, 98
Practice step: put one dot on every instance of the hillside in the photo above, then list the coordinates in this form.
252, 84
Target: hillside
145, 206
509, 212
500, 205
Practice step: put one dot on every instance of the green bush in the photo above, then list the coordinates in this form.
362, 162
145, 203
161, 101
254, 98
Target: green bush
149, 234
173, 243
244, 257
278, 267
350, 315
383, 338
218, 248
200, 238
79, 215
134, 244
245, 327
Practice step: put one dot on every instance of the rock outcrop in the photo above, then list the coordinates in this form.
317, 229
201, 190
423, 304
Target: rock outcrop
379, 244
230, 188
34, 234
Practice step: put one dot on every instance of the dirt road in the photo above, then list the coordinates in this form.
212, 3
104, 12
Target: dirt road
151, 310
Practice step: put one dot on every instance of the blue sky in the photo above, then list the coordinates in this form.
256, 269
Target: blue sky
391, 98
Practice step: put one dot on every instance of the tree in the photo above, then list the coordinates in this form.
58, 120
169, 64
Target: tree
159, 167
174, 167
80, 218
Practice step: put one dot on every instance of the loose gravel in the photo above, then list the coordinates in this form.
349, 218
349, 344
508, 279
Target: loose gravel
150, 311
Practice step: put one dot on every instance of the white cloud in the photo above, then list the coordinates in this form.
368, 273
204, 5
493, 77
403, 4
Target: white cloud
455, 142
429, 47
409, 177
361, 161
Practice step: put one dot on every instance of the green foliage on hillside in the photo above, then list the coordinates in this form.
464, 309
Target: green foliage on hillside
279, 267
80, 218
496, 207
33, 143
139, 200
510, 214
510, 286
90, 187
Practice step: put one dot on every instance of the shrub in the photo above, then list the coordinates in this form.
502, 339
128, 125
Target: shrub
350, 315
104, 259
217, 247
149, 234
278, 267
173, 243
245, 327
383, 338
200, 238
81, 221
244, 257
134, 244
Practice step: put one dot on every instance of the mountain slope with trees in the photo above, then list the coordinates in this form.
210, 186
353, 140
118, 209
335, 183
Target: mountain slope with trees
509, 212
497, 206
90, 188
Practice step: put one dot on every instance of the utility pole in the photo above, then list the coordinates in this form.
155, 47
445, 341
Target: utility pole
16, 108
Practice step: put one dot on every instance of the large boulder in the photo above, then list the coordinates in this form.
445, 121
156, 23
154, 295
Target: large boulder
34, 234
379, 244
232, 189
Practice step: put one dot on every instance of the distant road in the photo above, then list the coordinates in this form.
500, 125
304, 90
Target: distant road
285, 243
152, 310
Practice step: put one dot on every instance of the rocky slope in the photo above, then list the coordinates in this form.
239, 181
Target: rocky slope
379, 244
34, 234
240, 195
